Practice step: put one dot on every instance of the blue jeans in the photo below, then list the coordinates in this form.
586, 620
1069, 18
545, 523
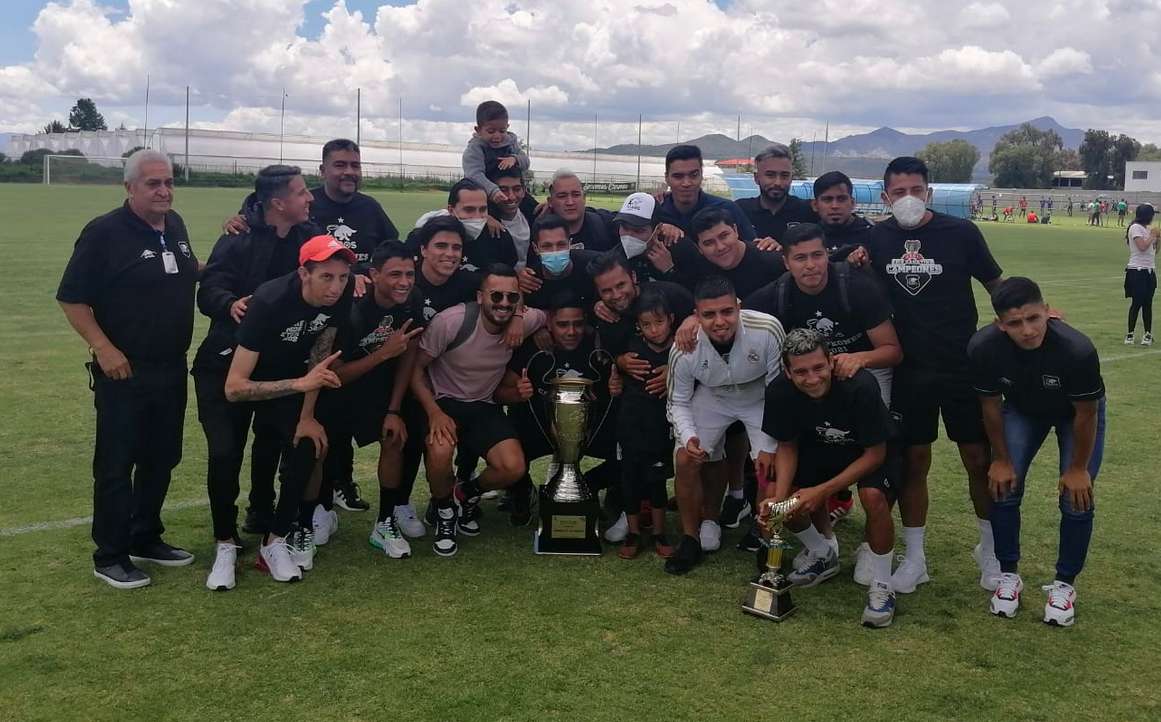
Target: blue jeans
1024, 436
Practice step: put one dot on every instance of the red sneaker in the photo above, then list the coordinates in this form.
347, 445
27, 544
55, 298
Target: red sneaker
630, 548
662, 547
839, 508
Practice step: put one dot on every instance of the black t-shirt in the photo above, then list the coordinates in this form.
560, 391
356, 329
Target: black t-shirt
1043, 382
642, 425
575, 282
369, 327
282, 328
460, 288
595, 233
855, 233
833, 431
755, 270
616, 336
117, 268
361, 224
928, 272
773, 225
843, 326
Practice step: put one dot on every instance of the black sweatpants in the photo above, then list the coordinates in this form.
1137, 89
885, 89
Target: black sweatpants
138, 444
643, 478
279, 417
226, 425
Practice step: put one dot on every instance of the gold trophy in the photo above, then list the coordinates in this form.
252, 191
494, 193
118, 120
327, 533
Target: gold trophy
769, 593
568, 507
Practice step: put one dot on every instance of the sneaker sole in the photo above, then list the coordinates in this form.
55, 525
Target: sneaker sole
468, 532
1057, 623
261, 566
382, 548
820, 578
122, 585
451, 553
871, 623
163, 562
1003, 613
219, 587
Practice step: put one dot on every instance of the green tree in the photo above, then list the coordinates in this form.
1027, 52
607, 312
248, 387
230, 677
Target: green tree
1124, 149
950, 162
1026, 158
1149, 151
797, 158
84, 116
55, 127
1094, 158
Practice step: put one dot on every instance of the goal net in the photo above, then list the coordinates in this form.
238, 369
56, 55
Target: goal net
74, 169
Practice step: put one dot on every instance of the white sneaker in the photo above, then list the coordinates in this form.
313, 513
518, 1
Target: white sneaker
1006, 598
221, 576
619, 530
1147, 340
711, 536
1128, 339
1060, 609
989, 568
387, 536
864, 575
325, 524
408, 522
811, 569
274, 559
880, 609
302, 548
491, 495
908, 575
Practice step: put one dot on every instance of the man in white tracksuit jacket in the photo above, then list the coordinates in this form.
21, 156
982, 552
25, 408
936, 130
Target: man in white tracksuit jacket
721, 382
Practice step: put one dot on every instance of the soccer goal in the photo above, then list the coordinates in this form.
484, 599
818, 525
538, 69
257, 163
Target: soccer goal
75, 169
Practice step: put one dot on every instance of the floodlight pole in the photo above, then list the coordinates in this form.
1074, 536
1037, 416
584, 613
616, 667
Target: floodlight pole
401, 141
358, 114
145, 138
528, 128
640, 118
281, 126
185, 169
594, 180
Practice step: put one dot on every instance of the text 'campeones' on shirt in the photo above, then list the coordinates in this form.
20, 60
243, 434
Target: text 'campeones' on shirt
1043, 382
119, 269
928, 272
843, 327
835, 429
282, 327
472, 370
369, 327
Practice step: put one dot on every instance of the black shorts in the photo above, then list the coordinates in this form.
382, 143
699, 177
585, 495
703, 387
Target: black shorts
814, 470
919, 396
479, 425
278, 417
1140, 284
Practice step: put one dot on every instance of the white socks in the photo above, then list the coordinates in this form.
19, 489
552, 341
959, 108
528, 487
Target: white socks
987, 543
813, 541
913, 539
880, 566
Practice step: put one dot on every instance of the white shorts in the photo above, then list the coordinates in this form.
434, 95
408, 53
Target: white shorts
711, 418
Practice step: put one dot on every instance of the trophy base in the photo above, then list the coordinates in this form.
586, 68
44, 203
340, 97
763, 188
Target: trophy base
769, 602
568, 527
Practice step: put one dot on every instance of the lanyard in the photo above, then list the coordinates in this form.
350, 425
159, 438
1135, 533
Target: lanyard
161, 237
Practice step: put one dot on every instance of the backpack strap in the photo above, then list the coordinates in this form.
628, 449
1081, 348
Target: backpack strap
843, 276
467, 328
782, 295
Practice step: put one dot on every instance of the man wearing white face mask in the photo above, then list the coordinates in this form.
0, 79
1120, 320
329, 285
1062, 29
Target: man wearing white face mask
468, 202
928, 261
648, 256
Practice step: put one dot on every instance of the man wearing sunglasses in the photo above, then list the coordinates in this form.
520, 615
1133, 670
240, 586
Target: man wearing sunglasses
462, 358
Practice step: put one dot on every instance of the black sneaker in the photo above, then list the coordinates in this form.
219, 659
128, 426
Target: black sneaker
520, 513
734, 512
258, 521
122, 576
347, 497
687, 556
445, 532
429, 516
161, 553
750, 541
469, 513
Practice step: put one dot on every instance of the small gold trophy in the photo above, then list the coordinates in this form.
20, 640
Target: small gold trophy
769, 593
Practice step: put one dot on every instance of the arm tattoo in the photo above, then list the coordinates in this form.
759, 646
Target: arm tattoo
322, 346
264, 390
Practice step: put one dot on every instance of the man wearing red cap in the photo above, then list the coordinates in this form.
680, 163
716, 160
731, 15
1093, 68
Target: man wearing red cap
280, 364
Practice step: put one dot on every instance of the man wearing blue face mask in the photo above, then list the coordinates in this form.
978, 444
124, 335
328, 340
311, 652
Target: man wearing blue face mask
927, 261
553, 267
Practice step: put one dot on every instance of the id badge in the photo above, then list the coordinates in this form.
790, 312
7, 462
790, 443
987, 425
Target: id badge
169, 261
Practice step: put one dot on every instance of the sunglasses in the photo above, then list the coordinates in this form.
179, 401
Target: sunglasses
498, 296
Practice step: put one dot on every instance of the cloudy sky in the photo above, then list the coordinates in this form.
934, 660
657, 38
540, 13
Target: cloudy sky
786, 68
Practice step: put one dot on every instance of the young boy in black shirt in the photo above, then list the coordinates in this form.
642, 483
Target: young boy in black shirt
832, 433
1048, 376
643, 429
282, 361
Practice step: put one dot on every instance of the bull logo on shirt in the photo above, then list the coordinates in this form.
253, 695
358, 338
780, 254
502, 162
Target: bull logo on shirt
911, 270
318, 323
342, 233
822, 324
831, 435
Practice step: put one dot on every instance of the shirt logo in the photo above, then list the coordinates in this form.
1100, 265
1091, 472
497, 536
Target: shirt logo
911, 270
428, 310
290, 334
1050, 382
377, 337
343, 233
184, 247
753, 357
1005, 381
822, 324
830, 435
318, 323
147, 254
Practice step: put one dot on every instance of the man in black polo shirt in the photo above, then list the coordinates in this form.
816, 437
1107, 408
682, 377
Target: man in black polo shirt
1048, 375
832, 434
354, 219
927, 261
128, 291
588, 228
554, 267
278, 226
683, 174
774, 208
280, 363
377, 360
834, 202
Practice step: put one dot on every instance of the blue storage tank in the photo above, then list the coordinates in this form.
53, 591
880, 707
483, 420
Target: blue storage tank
954, 199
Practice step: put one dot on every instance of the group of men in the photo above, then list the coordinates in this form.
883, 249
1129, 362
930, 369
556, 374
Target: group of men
813, 352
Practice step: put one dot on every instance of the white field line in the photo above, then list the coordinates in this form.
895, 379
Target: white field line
86, 520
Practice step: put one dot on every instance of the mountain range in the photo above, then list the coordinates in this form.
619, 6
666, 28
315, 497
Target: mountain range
860, 155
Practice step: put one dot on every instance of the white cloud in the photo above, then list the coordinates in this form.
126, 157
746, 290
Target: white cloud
786, 68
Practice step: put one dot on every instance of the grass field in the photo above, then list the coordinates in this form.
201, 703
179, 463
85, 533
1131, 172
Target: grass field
495, 633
